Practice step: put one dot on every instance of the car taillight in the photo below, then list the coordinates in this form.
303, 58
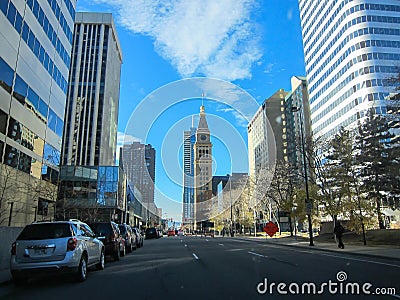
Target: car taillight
71, 245
14, 249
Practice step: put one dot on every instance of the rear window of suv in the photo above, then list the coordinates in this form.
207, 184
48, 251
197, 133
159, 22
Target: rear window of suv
101, 228
45, 231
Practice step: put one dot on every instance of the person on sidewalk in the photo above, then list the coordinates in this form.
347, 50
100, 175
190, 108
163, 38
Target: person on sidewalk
339, 230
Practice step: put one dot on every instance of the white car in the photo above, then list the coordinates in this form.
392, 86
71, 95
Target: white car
55, 247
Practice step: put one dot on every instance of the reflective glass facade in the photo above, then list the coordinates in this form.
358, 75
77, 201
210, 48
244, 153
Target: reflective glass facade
84, 190
36, 41
350, 47
189, 138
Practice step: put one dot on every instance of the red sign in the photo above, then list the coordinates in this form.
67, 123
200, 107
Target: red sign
271, 228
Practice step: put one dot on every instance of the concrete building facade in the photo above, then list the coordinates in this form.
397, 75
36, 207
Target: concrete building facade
90, 136
139, 162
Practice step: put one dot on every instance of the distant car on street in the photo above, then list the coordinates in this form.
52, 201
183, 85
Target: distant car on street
151, 233
171, 232
109, 233
139, 237
55, 247
129, 237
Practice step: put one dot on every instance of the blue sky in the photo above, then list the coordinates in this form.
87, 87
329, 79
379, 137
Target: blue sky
250, 49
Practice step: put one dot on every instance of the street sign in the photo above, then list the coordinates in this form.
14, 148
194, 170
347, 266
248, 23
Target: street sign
271, 228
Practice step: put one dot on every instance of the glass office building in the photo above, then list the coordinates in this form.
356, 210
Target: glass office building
351, 47
189, 138
92, 193
36, 41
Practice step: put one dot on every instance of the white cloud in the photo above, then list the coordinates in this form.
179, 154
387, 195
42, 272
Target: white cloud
214, 38
241, 121
290, 14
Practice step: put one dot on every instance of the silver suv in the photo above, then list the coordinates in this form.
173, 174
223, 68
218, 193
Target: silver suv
55, 247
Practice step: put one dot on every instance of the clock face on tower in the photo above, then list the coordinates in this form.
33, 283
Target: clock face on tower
203, 137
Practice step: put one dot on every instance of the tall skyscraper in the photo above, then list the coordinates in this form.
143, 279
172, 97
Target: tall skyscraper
266, 133
36, 41
350, 48
189, 139
274, 131
202, 170
91, 118
139, 164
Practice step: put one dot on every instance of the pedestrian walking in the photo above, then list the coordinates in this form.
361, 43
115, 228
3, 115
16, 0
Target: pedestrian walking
339, 230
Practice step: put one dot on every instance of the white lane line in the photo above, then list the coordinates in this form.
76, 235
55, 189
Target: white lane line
195, 256
206, 240
357, 259
185, 245
396, 296
256, 254
221, 244
331, 255
232, 250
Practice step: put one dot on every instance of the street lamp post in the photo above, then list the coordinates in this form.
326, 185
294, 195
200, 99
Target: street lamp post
308, 201
230, 196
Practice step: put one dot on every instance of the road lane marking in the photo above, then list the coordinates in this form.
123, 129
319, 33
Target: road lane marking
221, 244
232, 250
195, 256
256, 254
396, 296
322, 254
206, 240
185, 245
362, 260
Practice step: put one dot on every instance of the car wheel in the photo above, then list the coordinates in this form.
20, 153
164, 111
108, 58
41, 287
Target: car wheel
82, 270
116, 255
123, 252
101, 264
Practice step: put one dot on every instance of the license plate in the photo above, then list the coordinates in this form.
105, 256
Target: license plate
40, 251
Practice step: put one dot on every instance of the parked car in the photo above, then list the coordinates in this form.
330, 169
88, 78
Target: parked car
171, 232
129, 237
139, 237
55, 247
109, 234
151, 233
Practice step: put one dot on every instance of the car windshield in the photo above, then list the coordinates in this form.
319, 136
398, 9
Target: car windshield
45, 231
101, 228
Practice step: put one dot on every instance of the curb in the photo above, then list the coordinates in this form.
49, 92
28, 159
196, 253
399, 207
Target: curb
324, 249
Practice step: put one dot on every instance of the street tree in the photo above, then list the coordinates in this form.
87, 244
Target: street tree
376, 158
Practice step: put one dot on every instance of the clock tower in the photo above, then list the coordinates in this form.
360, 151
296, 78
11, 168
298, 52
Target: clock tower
202, 170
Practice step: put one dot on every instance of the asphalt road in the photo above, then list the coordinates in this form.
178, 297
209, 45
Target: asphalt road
223, 268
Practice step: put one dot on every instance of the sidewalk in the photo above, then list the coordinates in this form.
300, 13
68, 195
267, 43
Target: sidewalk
388, 252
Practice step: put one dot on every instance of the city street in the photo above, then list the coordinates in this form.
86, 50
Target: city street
221, 268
